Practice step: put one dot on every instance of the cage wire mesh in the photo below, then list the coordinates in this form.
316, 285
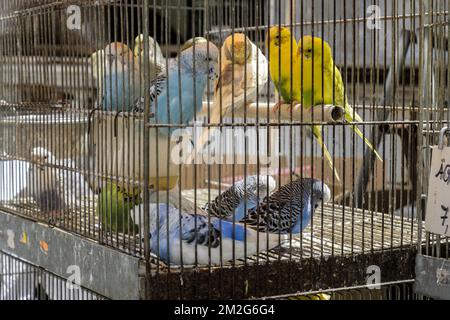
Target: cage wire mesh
105, 103
435, 96
20, 280
401, 290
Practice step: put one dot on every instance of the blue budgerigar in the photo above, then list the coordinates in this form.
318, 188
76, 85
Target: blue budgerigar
200, 239
178, 92
241, 197
289, 209
122, 83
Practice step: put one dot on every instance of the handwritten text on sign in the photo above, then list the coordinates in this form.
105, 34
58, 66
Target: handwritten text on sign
438, 206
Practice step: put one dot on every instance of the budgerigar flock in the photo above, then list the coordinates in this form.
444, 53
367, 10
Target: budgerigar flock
179, 237
249, 216
290, 208
287, 76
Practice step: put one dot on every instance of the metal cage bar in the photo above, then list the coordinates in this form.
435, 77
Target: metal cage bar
188, 135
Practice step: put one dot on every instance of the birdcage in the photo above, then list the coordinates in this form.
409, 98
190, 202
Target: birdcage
220, 149
20, 280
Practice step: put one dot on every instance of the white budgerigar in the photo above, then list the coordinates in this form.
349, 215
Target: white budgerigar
55, 189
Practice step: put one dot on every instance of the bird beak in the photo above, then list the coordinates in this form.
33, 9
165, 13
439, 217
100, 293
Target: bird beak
110, 57
305, 55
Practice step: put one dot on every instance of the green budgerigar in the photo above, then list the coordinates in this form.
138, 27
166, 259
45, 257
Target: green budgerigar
114, 206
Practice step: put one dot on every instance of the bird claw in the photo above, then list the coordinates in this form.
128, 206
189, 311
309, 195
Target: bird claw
291, 106
55, 218
277, 106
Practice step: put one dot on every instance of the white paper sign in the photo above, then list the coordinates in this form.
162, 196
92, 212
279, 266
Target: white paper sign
438, 205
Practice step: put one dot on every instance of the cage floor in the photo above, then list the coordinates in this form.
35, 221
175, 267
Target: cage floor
335, 230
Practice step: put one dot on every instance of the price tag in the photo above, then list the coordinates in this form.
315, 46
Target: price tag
438, 205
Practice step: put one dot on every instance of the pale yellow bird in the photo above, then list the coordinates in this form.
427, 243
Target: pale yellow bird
322, 82
190, 43
156, 60
244, 73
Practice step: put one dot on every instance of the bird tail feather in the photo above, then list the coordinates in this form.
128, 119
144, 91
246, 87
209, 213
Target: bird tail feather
368, 143
318, 135
349, 116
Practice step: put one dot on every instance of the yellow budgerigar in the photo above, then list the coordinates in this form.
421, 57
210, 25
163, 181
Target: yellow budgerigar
285, 71
284, 66
319, 86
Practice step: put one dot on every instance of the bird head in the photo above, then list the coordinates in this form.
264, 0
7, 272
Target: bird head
189, 43
237, 48
319, 192
206, 59
277, 36
129, 194
119, 52
41, 155
139, 46
309, 46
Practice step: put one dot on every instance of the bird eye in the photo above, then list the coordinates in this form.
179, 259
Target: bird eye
309, 50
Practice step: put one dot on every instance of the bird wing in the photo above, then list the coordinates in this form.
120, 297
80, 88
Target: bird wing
157, 86
261, 69
240, 198
350, 114
280, 211
339, 90
262, 218
196, 229
231, 87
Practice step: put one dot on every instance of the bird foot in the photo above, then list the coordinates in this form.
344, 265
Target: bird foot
291, 106
55, 217
277, 106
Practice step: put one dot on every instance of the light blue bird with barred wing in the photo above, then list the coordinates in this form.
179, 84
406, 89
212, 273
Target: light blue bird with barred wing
241, 197
178, 92
182, 238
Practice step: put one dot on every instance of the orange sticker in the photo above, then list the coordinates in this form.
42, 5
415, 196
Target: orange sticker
24, 238
44, 246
